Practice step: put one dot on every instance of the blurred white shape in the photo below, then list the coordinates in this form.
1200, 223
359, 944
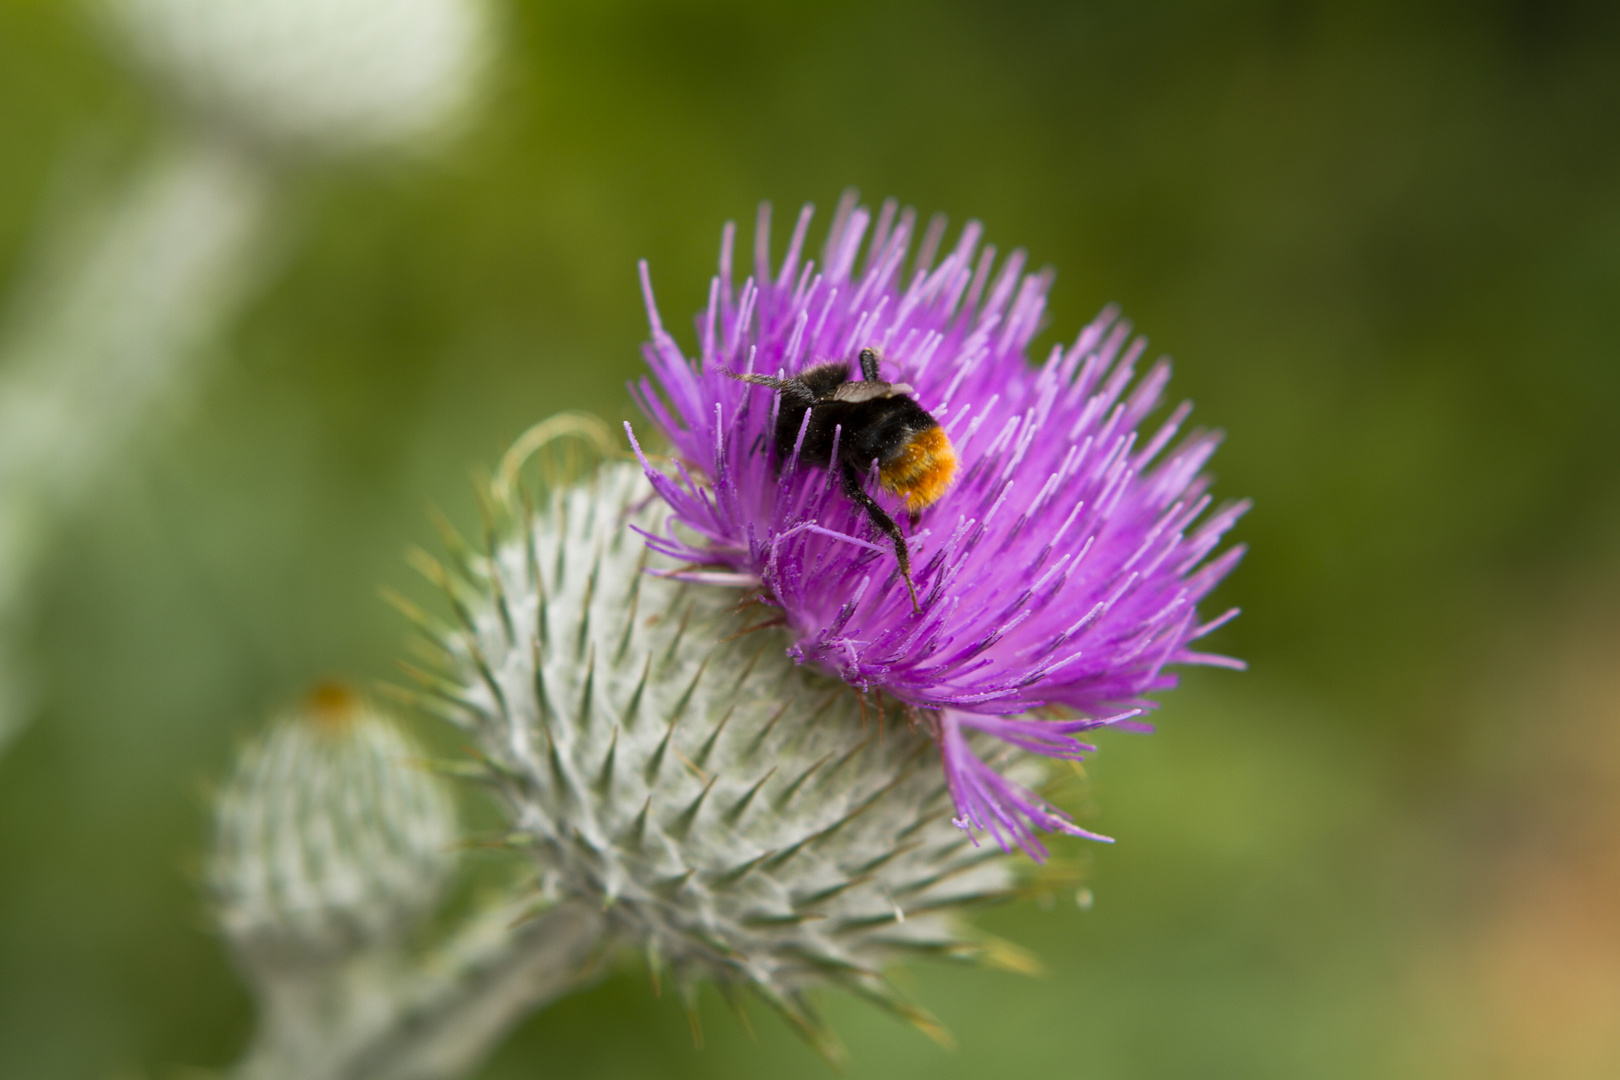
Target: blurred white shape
113, 333
92, 348
99, 340
325, 76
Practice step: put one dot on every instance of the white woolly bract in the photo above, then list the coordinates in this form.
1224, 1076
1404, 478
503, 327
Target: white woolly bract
329, 837
743, 819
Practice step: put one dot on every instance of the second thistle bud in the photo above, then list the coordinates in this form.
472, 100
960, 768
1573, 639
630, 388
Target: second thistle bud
328, 839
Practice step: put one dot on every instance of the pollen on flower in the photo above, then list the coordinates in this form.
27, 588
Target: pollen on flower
923, 471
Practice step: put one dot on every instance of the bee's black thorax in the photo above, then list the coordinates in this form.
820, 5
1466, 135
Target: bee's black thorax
846, 426
865, 430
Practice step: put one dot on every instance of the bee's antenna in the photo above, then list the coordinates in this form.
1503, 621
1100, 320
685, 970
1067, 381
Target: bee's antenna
758, 380
869, 364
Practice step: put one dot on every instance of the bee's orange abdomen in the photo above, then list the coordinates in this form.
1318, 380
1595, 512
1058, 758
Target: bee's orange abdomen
923, 470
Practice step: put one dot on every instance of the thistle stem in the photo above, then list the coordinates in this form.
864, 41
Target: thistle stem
390, 1017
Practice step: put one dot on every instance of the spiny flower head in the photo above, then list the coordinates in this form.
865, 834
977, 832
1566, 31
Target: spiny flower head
741, 819
1056, 578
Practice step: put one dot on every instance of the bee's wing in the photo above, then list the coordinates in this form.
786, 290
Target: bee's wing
853, 393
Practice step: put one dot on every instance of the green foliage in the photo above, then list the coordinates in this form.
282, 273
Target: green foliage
1381, 241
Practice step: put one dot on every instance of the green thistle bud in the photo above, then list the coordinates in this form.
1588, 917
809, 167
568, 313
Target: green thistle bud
327, 838
741, 819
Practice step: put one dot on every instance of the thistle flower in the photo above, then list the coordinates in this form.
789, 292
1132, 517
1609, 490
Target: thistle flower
738, 818
1057, 578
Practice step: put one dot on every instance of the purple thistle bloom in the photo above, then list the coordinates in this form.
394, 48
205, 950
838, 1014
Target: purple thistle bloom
1058, 576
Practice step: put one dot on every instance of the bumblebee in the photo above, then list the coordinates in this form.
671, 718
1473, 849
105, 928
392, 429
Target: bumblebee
862, 422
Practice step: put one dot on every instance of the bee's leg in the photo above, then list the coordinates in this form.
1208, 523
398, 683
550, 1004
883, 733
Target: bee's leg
880, 518
869, 365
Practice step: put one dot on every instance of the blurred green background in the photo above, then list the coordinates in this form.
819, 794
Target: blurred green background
1382, 241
